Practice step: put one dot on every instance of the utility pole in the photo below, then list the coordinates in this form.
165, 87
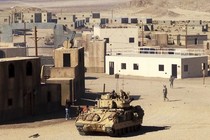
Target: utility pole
142, 32
35, 38
25, 34
25, 37
186, 36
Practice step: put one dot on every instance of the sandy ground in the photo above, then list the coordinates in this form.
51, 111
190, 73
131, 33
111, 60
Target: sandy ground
184, 117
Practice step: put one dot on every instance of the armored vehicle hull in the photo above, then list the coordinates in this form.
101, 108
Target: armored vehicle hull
113, 116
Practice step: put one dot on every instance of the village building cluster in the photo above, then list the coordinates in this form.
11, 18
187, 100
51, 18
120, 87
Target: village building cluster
44, 55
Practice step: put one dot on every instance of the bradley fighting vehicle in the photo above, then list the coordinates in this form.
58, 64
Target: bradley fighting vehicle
112, 114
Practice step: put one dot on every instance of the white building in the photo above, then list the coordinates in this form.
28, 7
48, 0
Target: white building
155, 65
118, 36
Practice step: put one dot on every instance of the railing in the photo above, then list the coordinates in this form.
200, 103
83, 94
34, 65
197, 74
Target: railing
155, 51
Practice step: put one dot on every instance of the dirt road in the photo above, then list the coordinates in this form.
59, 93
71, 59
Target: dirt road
184, 117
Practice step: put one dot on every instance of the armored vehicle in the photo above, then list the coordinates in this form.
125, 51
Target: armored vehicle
112, 114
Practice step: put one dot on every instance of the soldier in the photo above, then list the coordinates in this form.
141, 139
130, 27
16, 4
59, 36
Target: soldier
114, 94
85, 109
67, 110
171, 80
123, 94
165, 92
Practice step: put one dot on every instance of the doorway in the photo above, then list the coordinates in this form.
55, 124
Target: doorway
174, 70
111, 68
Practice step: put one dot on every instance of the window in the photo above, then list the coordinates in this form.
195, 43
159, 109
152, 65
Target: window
161, 67
32, 15
203, 66
9, 102
11, 70
106, 40
135, 66
5, 20
66, 60
64, 18
29, 69
131, 40
48, 96
123, 65
185, 68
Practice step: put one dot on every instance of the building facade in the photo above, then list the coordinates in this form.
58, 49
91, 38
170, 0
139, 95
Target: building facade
69, 73
151, 65
20, 92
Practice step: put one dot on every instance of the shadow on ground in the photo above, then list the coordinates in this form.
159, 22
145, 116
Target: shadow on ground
174, 100
148, 129
40, 117
90, 78
143, 130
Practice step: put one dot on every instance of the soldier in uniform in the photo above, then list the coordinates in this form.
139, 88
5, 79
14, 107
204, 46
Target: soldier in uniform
171, 80
165, 92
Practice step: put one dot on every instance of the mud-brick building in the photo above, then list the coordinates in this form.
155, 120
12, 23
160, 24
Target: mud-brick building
21, 93
68, 72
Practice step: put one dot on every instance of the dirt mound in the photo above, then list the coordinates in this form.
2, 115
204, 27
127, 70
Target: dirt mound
140, 3
157, 11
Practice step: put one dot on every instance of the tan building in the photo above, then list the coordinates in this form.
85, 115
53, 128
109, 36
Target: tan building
8, 50
118, 37
95, 51
20, 91
69, 73
5, 17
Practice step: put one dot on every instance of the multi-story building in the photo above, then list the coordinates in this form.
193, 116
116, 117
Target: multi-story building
68, 72
21, 94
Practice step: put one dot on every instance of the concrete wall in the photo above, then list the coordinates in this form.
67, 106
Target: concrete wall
13, 52
71, 78
19, 90
194, 67
149, 65
95, 56
51, 97
120, 34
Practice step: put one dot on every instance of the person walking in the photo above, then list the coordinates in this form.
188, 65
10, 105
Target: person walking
171, 80
165, 92
67, 109
67, 112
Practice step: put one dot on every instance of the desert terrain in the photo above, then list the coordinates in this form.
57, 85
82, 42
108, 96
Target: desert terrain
184, 117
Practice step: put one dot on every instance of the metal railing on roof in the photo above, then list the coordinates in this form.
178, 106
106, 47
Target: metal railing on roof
155, 51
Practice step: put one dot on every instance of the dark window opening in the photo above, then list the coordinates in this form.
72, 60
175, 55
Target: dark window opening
131, 40
161, 67
185, 68
96, 15
66, 60
207, 46
10, 102
29, 69
203, 66
49, 96
123, 65
2, 54
11, 71
64, 18
106, 40
136, 66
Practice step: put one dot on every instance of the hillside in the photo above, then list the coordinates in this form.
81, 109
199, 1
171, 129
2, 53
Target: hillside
170, 9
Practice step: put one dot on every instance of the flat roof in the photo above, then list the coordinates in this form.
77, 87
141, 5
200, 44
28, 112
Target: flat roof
59, 79
16, 58
159, 55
